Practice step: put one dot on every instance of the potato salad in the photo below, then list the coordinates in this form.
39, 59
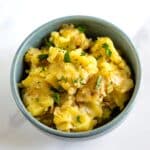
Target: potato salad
74, 83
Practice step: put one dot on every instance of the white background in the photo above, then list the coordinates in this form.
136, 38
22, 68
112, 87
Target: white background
19, 17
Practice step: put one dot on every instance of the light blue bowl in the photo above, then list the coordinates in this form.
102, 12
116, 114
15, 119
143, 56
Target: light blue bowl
95, 27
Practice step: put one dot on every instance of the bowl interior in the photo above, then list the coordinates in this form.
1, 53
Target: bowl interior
94, 27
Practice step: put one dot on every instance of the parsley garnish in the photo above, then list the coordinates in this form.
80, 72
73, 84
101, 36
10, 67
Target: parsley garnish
42, 68
62, 79
47, 42
75, 81
81, 28
78, 119
98, 82
83, 53
82, 81
42, 56
56, 97
107, 49
67, 57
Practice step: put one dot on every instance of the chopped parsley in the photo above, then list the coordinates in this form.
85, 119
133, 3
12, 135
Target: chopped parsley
42, 69
78, 119
107, 49
56, 98
62, 79
98, 82
75, 81
42, 56
81, 28
47, 42
83, 53
82, 81
67, 57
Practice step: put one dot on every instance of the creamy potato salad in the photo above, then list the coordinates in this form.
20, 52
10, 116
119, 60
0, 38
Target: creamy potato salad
73, 83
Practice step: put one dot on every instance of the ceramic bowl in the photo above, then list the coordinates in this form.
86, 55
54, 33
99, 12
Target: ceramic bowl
95, 27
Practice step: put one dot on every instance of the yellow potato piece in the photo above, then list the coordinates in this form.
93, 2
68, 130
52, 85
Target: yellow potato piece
70, 38
70, 118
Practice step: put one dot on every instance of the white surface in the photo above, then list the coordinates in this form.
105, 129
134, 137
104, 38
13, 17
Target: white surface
18, 18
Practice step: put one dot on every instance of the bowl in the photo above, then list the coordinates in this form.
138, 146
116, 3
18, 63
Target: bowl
95, 27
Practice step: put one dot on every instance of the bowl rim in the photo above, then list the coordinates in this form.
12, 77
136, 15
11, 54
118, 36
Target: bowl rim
100, 130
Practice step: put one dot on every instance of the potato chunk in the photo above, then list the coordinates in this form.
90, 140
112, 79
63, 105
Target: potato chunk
70, 38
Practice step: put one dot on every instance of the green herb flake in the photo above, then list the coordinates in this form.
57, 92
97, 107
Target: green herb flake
42, 56
82, 81
47, 42
67, 57
81, 28
75, 81
83, 53
98, 82
107, 49
62, 79
78, 119
56, 98
42, 68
